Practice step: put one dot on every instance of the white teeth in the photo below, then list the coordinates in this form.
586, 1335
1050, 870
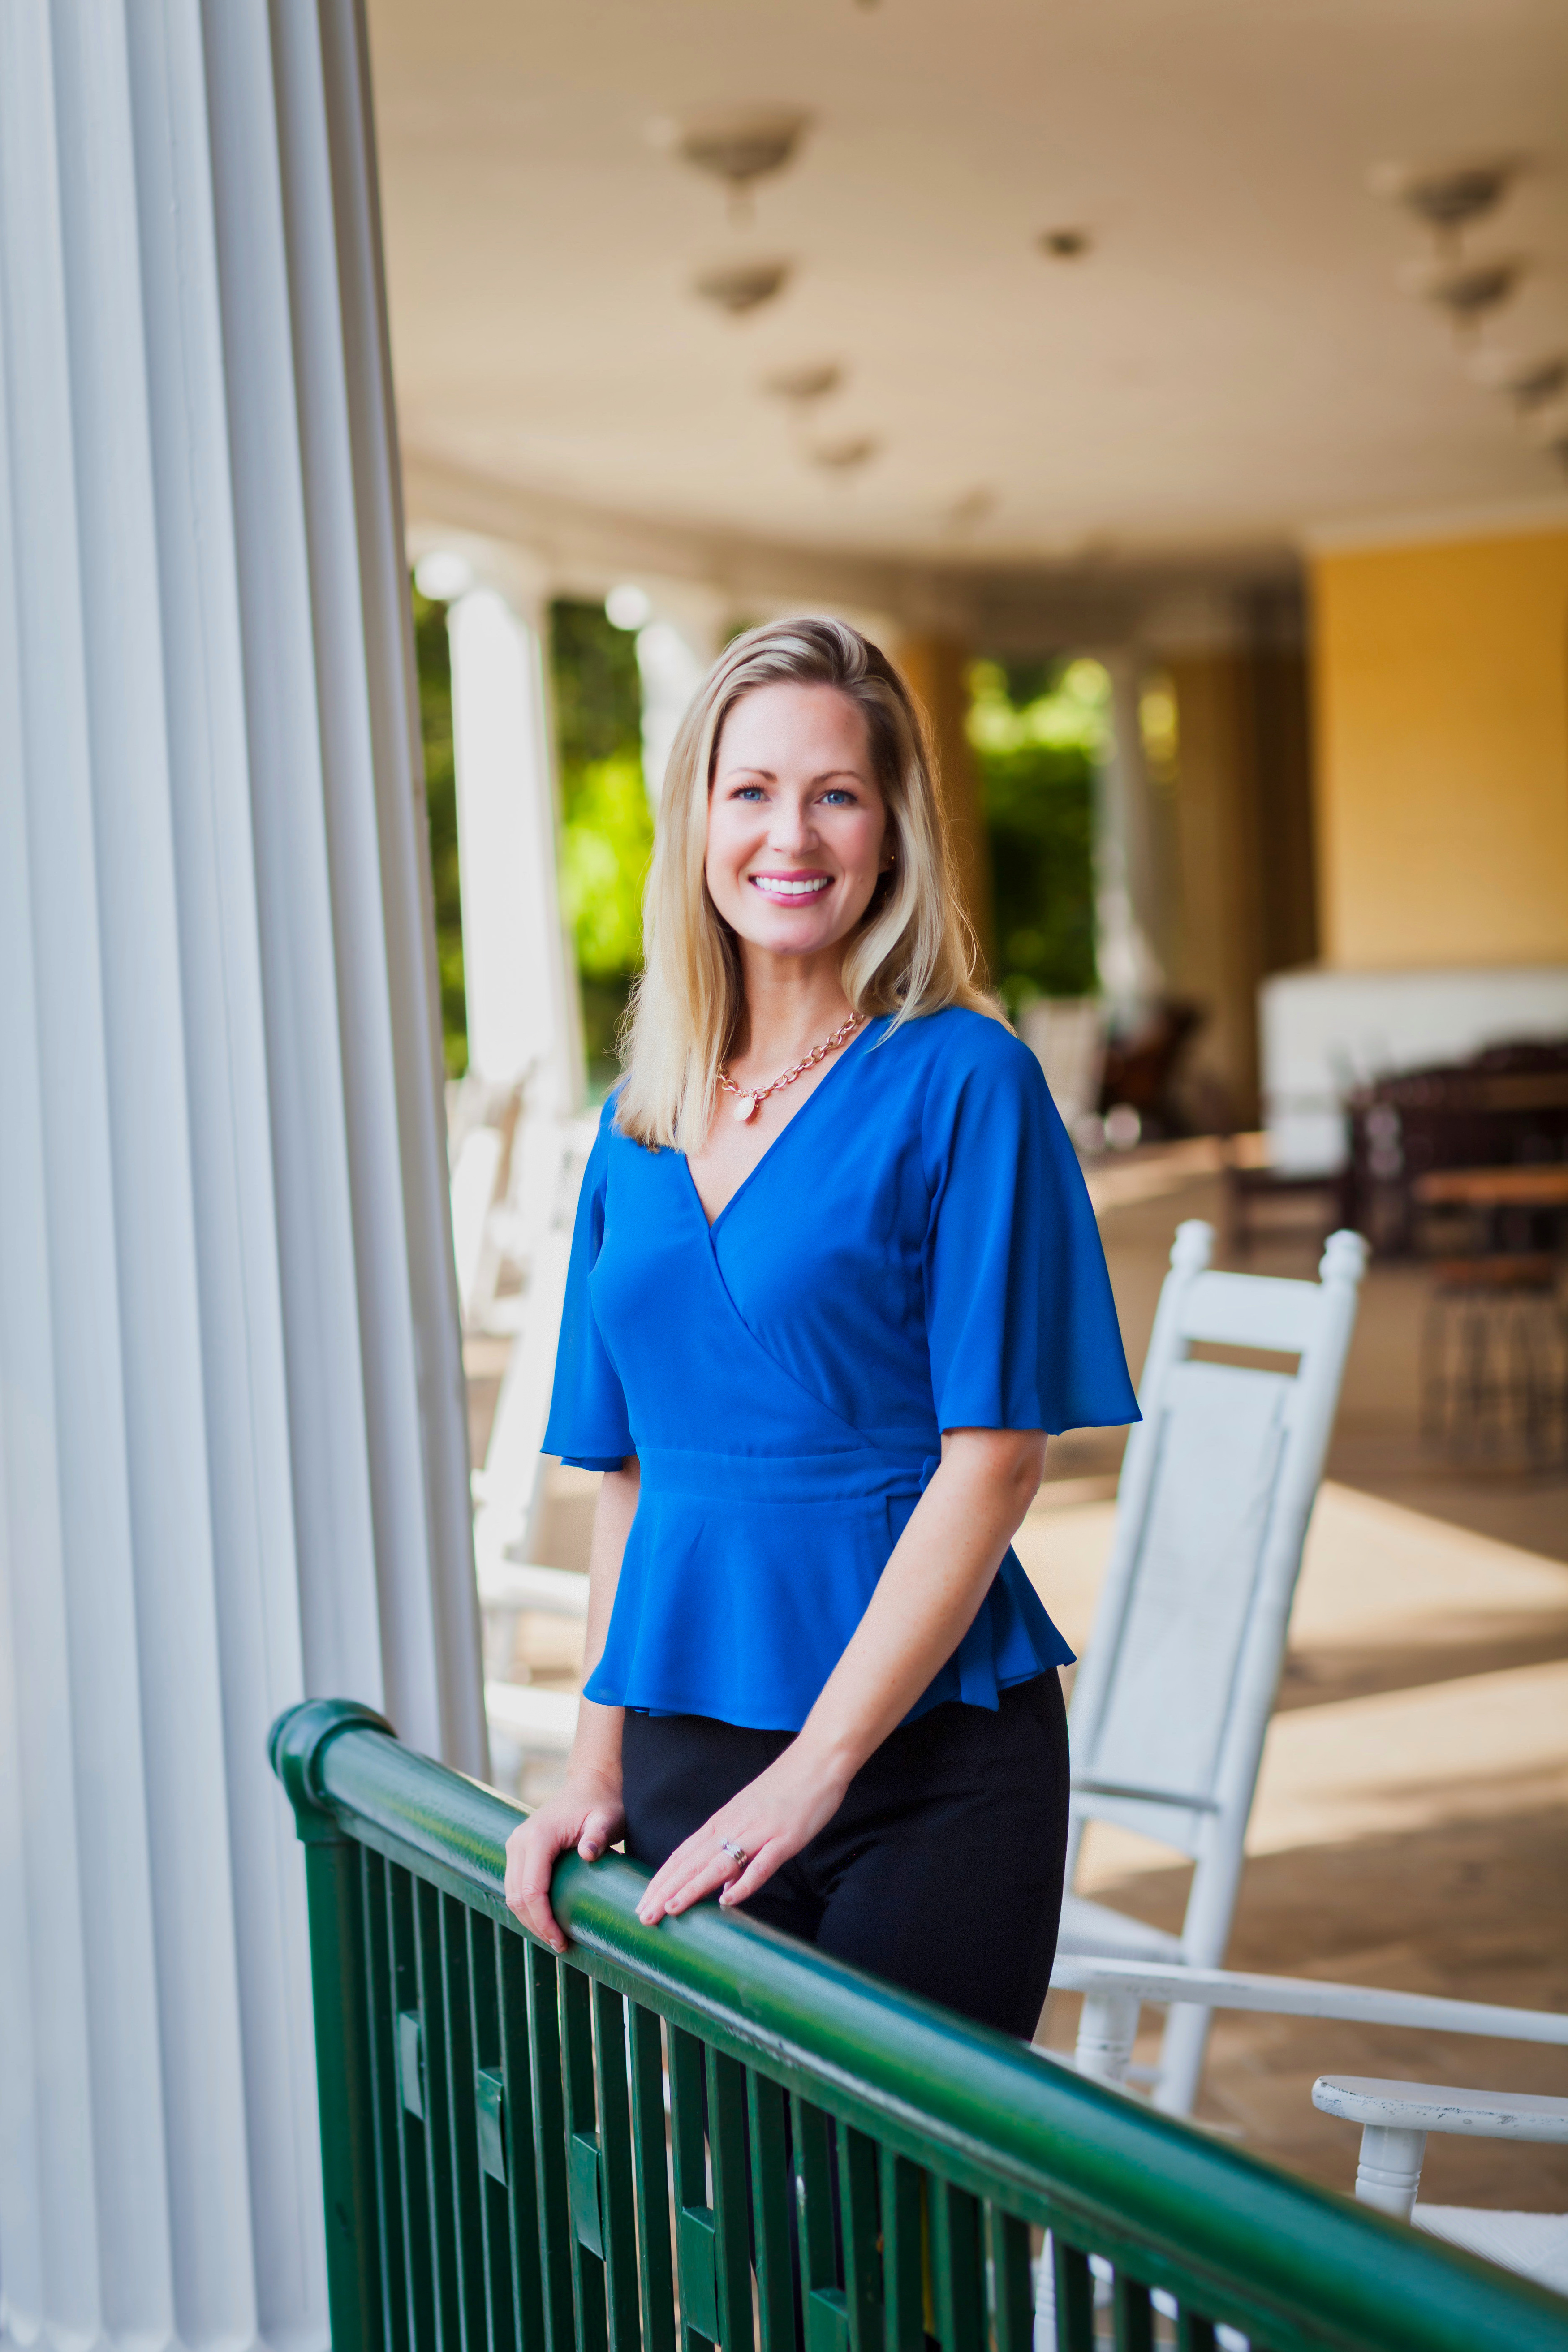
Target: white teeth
774, 888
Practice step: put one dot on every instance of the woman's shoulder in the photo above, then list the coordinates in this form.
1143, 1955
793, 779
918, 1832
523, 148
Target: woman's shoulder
960, 1044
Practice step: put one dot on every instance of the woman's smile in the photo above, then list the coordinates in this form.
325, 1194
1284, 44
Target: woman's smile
785, 889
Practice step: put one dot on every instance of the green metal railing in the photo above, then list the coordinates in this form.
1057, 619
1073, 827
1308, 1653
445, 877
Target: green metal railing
705, 2134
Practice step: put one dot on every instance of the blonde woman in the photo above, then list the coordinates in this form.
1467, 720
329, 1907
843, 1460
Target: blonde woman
834, 1280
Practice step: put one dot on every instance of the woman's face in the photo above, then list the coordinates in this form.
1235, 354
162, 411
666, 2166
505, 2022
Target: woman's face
797, 827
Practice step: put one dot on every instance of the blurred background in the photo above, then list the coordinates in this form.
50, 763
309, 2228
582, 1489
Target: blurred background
1181, 397
1179, 394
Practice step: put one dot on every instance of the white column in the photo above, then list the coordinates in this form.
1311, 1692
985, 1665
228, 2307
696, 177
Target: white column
1130, 976
518, 974
230, 1429
676, 650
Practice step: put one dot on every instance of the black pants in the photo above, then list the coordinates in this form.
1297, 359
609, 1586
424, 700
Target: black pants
942, 1868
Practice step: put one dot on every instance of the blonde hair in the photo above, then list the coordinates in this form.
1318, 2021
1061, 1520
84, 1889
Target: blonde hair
912, 953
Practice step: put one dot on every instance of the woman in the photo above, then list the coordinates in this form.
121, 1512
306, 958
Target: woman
835, 1277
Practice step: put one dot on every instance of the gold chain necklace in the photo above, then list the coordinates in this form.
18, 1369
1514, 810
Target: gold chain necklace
748, 1103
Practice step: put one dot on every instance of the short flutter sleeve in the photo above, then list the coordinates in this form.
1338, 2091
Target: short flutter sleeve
1019, 1315
588, 1424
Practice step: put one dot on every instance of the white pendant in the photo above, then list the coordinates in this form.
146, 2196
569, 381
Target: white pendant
745, 1107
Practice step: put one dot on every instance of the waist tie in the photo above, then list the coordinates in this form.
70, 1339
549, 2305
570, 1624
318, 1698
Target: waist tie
856, 1474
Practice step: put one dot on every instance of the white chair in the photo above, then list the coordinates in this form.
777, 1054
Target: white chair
1173, 1700
509, 1492
479, 1141
1115, 1990
1113, 1993
1395, 2118
1067, 1036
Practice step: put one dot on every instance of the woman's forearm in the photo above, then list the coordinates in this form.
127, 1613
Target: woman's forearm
927, 1597
596, 1746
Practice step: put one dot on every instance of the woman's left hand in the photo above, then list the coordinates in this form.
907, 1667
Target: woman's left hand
769, 1819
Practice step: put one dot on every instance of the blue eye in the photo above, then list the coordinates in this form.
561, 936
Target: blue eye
749, 792
840, 796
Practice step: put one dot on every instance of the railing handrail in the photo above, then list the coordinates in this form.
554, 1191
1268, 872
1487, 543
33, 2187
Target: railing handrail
1003, 2120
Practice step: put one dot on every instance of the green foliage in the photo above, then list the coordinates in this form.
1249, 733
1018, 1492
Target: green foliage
607, 824
433, 660
1039, 733
606, 843
598, 698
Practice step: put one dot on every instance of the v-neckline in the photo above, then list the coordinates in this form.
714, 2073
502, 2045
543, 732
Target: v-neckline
711, 1224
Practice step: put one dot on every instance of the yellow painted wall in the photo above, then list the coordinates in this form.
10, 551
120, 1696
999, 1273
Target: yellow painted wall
1441, 683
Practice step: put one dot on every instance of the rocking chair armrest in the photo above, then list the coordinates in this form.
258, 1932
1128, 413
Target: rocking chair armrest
1440, 2107
1167, 1982
1128, 1794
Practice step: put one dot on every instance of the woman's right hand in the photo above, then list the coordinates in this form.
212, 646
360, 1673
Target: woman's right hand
585, 1812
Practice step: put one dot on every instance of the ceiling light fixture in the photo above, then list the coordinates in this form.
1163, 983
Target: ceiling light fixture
627, 607
738, 147
803, 386
845, 456
1468, 290
967, 513
738, 286
1548, 428
1529, 383
1445, 200
443, 575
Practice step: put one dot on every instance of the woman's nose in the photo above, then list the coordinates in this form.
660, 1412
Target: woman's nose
791, 829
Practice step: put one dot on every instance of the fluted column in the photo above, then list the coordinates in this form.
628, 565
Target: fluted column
519, 976
1130, 976
677, 646
232, 1459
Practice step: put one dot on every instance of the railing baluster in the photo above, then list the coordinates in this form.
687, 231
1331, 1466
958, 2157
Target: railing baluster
771, 2185
463, 2140
438, 2173
553, 2191
650, 2172
617, 2197
584, 2172
732, 2200
860, 2229
1074, 2297
695, 2248
957, 2282
490, 2200
1007, 2252
517, 2134
826, 2312
386, 2108
1133, 2314
412, 2151
904, 2255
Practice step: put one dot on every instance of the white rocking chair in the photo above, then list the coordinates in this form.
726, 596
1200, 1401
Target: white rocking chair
1174, 1697
1395, 2118
509, 1493
1395, 2139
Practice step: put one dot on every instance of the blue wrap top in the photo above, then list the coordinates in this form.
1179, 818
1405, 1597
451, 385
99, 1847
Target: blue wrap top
915, 1251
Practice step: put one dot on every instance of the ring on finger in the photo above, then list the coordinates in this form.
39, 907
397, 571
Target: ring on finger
737, 1853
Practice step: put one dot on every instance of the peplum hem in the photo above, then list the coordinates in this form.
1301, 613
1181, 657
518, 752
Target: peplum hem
749, 1574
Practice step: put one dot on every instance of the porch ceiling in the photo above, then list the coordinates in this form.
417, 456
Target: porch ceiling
1232, 362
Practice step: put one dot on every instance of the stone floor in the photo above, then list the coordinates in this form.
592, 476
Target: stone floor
1410, 1828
